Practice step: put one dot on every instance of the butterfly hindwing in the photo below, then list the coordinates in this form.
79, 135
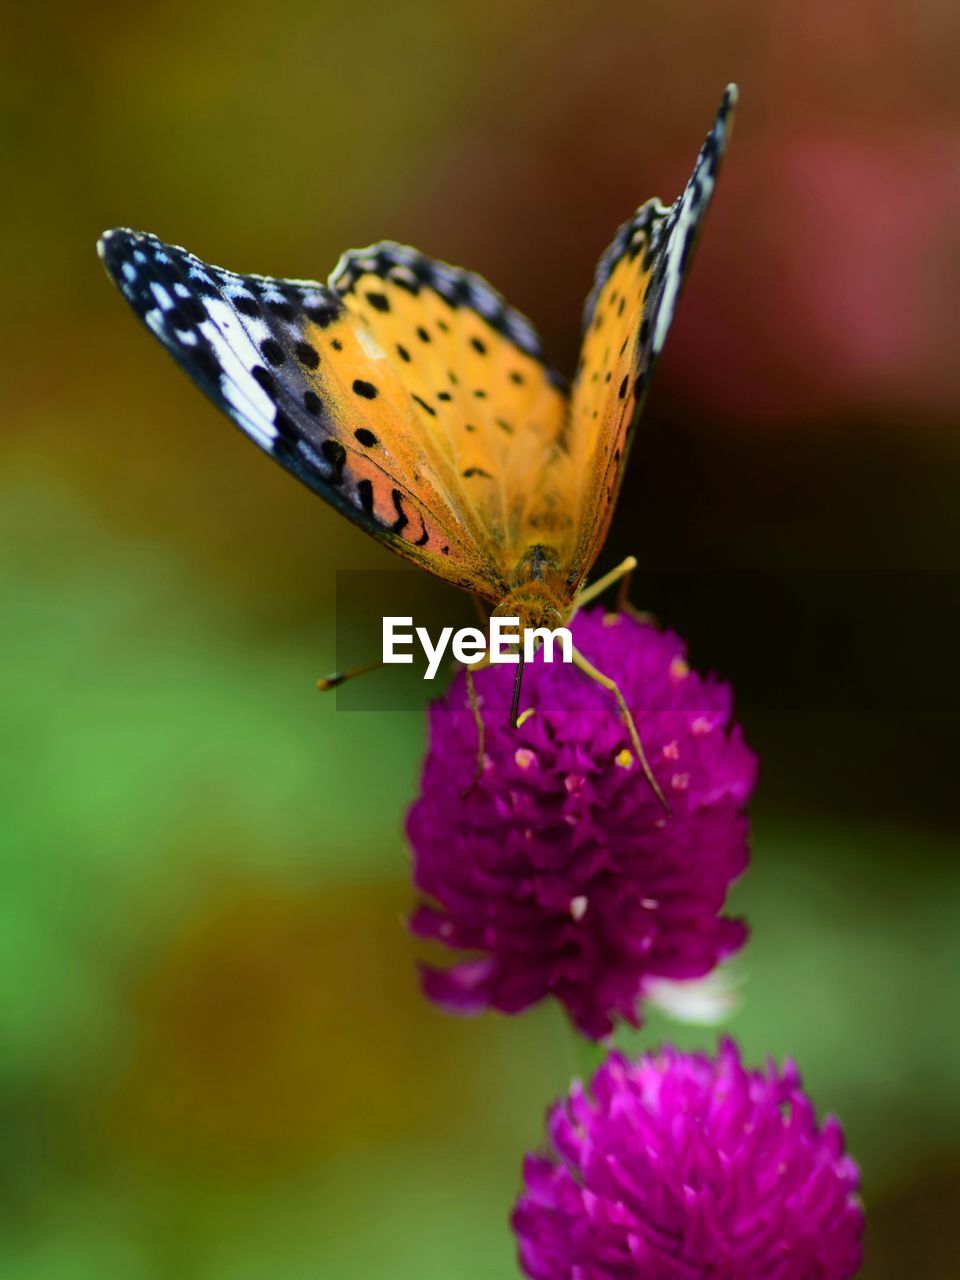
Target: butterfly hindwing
475, 369
626, 319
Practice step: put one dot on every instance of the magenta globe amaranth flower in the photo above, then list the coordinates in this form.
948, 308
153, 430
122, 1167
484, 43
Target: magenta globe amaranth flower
681, 1167
559, 872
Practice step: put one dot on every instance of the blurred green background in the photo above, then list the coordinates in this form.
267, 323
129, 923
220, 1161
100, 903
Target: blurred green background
215, 1062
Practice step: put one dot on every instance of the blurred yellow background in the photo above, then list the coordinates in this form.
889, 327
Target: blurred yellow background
215, 1061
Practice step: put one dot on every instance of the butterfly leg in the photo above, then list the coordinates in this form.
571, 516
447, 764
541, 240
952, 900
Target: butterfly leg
623, 605
621, 573
478, 720
326, 683
606, 682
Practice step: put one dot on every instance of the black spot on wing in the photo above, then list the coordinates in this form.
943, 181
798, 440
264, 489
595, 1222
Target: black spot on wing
273, 352
307, 355
282, 308
322, 314
413, 271
336, 455
427, 408
402, 519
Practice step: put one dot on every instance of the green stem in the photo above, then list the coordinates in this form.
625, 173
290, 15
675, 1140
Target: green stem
585, 1055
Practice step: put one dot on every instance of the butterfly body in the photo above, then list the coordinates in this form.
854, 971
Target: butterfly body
410, 396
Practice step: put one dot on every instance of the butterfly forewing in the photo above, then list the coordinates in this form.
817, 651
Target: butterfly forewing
305, 379
626, 320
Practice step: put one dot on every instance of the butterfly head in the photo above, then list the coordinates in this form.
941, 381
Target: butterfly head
539, 595
535, 605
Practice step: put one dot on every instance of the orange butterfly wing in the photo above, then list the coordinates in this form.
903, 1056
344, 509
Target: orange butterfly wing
402, 393
626, 320
473, 365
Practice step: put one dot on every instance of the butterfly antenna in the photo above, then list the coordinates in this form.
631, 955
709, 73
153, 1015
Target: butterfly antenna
515, 709
326, 683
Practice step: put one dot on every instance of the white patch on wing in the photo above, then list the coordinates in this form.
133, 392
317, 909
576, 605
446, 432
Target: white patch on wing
228, 341
264, 433
403, 275
258, 329
368, 343
235, 339
486, 303
673, 276
307, 450
161, 295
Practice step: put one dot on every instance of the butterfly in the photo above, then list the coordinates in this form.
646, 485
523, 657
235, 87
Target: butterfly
410, 396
